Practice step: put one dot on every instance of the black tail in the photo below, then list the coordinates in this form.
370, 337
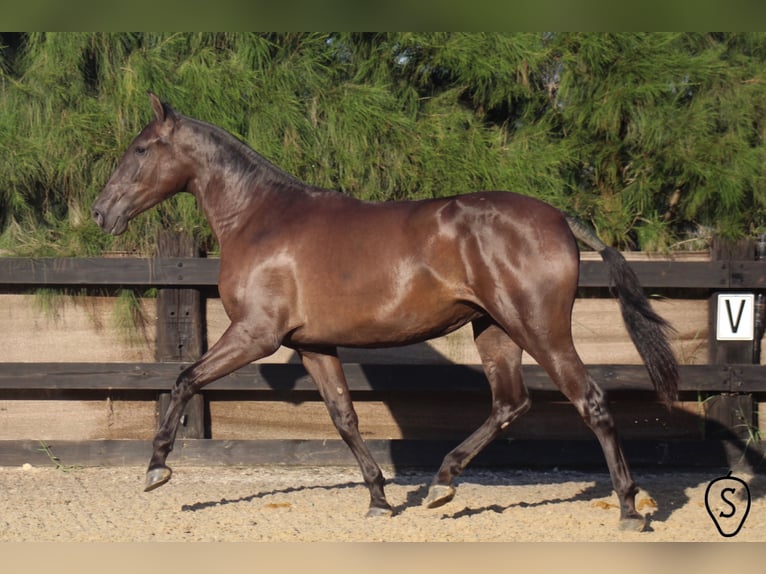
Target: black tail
647, 329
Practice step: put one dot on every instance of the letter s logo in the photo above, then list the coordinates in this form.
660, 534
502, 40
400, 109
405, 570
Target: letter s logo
727, 500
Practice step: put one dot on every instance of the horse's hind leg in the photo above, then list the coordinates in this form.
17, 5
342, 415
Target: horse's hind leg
501, 358
326, 370
568, 372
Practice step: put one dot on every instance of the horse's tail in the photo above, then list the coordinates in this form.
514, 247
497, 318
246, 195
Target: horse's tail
647, 329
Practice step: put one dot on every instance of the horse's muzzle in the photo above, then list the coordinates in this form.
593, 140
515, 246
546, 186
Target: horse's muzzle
115, 227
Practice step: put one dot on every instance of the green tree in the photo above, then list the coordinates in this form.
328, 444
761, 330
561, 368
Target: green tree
670, 132
655, 138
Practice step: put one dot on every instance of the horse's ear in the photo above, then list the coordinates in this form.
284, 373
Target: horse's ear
162, 111
159, 110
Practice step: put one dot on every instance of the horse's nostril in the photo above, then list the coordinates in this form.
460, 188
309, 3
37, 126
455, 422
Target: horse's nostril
98, 217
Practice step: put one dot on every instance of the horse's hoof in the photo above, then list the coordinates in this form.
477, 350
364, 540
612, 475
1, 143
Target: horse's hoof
633, 524
376, 511
439, 494
156, 477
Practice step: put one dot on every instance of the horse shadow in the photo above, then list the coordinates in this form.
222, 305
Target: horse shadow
660, 509
734, 452
414, 481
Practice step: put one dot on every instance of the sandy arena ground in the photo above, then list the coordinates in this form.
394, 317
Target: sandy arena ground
328, 504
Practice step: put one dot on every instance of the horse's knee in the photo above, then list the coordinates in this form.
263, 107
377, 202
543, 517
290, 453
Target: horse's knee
183, 388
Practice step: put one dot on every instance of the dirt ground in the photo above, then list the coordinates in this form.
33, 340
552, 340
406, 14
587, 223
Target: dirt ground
287, 504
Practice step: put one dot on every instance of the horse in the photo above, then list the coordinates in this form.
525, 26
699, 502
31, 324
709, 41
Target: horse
315, 269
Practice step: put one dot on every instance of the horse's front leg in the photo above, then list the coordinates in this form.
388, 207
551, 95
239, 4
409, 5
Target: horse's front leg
236, 348
326, 370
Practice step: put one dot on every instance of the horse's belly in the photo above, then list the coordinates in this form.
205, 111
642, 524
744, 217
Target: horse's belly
381, 327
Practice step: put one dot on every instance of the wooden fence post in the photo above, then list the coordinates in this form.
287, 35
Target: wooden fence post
181, 331
760, 303
730, 416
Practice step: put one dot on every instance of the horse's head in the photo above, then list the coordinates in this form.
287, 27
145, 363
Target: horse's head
150, 170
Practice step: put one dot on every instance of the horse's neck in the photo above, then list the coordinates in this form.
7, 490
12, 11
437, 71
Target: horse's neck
224, 206
229, 203
244, 189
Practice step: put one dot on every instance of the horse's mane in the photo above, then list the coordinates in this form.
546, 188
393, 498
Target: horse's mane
242, 157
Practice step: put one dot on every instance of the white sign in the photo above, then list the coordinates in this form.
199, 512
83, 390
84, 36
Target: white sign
735, 317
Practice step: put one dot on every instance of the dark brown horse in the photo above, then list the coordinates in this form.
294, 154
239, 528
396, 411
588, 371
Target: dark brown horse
313, 270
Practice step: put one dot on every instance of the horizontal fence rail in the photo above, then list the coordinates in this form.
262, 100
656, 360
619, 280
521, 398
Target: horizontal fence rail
203, 272
382, 378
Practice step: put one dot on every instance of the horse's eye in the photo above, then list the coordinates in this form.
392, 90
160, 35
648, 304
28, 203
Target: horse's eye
140, 150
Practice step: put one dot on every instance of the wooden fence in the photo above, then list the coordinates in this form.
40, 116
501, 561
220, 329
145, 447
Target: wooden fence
725, 434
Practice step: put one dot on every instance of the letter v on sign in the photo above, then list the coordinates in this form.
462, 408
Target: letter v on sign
735, 317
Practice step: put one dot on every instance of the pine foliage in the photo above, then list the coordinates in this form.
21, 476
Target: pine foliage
658, 139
